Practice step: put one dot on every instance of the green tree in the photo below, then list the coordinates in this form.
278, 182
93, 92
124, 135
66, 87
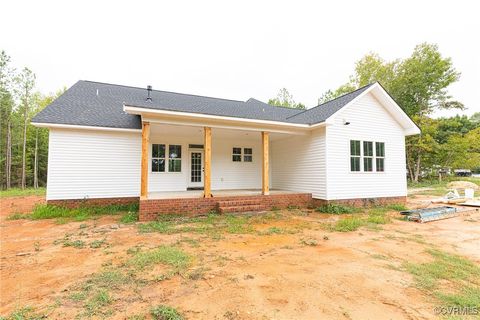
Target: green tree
285, 99
26, 83
6, 110
419, 84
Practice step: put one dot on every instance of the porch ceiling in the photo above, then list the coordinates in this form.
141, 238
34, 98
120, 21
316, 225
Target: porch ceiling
157, 129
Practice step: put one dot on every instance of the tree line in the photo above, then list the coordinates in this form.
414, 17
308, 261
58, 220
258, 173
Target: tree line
23, 147
419, 84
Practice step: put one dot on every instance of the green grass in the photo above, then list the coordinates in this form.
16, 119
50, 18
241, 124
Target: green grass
18, 216
333, 208
129, 217
168, 255
156, 226
78, 214
163, 312
18, 192
24, 313
96, 305
445, 266
452, 279
348, 224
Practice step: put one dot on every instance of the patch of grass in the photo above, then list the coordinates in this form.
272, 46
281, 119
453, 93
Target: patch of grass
79, 244
452, 279
156, 226
466, 297
18, 192
333, 208
24, 313
397, 207
168, 255
163, 312
79, 214
445, 266
237, 224
18, 216
97, 243
129, 217
272, 230
348, 224
96, 304
378, 219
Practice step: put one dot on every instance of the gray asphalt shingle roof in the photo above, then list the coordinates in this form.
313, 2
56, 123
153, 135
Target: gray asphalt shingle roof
97, 104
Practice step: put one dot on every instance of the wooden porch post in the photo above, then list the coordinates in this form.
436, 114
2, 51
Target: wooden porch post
265, 179
207, 165
144, 166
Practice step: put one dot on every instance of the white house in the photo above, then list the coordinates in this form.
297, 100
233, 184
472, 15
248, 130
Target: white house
180, 152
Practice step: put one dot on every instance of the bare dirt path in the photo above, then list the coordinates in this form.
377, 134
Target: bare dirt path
354, 275
22, 204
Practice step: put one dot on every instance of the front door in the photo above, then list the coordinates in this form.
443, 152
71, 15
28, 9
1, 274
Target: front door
196, 169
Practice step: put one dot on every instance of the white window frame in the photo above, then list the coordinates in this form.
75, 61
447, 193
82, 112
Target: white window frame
368, 157
378, 157
237, 154
167, 158
354, 156
181, 158
247, 154
362, 157
164, 158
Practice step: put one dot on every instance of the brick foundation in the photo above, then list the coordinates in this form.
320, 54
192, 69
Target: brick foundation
362, 202
93, 202
151, 208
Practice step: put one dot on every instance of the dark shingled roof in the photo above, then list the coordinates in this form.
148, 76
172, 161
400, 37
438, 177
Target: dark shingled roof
89, 103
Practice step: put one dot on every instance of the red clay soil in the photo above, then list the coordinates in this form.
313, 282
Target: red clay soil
352, 275
12, 205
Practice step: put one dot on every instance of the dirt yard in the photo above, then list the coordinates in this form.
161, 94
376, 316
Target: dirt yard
289, 265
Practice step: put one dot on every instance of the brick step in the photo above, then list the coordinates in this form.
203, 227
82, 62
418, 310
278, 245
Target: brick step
242, 208
234, 203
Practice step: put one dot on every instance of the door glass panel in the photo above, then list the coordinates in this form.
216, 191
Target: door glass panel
196, 167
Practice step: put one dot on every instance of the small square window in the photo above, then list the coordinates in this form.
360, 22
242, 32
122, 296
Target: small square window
158, 165
174, 151
158, 151
237, 154
247, 154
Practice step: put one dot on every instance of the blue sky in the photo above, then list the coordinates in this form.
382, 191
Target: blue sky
234, 50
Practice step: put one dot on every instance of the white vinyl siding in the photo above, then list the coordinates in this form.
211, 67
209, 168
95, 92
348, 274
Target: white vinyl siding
369, 121
299, 163
93, 164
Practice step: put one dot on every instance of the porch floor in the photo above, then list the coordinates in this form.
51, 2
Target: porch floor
215, 193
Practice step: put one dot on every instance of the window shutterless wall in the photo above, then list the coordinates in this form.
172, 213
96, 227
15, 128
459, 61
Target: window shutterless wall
369, 121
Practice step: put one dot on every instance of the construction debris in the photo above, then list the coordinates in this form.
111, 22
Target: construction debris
430, 214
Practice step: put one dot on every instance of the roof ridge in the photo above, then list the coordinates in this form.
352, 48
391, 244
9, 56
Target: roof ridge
271, 105
185, 94
343, 95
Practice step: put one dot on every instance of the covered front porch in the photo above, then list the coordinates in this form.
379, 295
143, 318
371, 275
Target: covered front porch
189, 161
189, 168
